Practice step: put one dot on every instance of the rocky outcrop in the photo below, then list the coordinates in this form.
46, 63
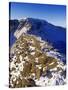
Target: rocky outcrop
33, 64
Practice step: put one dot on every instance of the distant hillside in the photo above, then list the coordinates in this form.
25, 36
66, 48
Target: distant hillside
54, 34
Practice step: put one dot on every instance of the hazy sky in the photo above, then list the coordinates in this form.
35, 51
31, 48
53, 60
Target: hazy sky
55, 14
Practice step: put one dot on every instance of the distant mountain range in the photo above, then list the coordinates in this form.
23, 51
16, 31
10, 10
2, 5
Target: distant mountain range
54, 34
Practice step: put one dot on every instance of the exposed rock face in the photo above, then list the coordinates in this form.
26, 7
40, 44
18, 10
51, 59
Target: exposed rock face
31, 65
23, 27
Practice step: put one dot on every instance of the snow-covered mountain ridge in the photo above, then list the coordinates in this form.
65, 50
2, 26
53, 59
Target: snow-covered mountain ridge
34, 61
